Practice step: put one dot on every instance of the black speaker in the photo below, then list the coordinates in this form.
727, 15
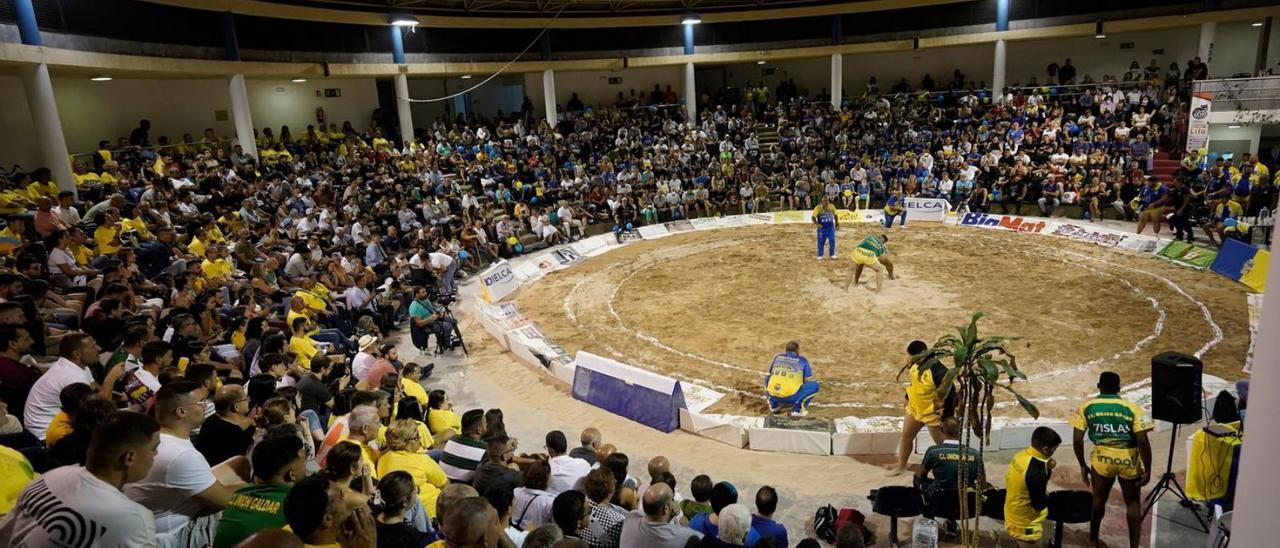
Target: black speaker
1175, 388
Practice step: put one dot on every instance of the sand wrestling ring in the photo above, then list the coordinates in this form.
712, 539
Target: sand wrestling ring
709, 308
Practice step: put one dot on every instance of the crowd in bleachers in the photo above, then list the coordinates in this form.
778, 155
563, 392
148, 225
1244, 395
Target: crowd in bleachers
195, 347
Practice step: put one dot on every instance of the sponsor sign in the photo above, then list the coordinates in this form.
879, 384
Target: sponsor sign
927, 209
1086, 234
629, 235
703, 223
498, 282
653, 231
678, 226
1198, 123
1186, 254
791, 216
1001, 222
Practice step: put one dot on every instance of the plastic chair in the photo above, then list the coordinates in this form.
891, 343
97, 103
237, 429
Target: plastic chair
1069, 507
896, 501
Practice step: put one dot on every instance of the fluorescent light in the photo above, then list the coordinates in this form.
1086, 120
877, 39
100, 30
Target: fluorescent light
760, 62
690, 19
1258, 24
465, 76
1099, 36
1233, 126
403, 20
103, 78
298, 80
1097, 30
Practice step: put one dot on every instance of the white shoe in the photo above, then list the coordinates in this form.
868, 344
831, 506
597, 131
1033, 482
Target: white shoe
833, 257
802, 413
819, 257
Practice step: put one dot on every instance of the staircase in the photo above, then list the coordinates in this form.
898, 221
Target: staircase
1165, 167
768, 135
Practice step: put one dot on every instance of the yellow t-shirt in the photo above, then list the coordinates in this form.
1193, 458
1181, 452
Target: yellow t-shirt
103, 235
107, 178
218, 269
312, 301
86, 178
305, 545
196, 246
415, 390
303, 347
427, 475
136, 224
59, 428
36, 190
16, 473
440, 419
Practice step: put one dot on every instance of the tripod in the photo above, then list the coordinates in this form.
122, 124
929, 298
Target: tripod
1168, 483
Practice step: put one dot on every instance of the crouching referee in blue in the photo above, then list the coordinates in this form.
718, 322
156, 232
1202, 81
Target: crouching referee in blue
790, 382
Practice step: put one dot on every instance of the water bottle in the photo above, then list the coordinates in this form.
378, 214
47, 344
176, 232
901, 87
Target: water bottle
924, 534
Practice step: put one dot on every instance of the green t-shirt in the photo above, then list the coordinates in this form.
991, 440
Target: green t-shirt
944, 461
254, 507
420, 309
872, 244
1112, 421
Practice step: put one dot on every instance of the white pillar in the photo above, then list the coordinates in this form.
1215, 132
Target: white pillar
997, 71
1205, 50
690, 93
240, 114
837, 79
549, 95
48, 125
1254, 520
403, 110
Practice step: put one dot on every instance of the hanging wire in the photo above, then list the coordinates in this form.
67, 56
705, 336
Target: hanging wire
500, 70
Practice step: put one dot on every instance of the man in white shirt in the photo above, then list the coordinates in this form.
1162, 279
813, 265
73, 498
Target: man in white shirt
364, 360
65, 210
181, 489
445, 268
567, 472
77, 351
83, 506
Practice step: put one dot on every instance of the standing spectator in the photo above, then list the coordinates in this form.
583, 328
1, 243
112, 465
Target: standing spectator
121, 451
566, 472
181, 489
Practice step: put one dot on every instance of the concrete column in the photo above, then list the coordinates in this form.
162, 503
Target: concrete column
1205, 50
690, 93
240, 114
837, 80
402, 109
549, 96
48, 125
997, 70
1253, 523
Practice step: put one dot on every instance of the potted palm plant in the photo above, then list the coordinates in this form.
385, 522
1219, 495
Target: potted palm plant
977, 367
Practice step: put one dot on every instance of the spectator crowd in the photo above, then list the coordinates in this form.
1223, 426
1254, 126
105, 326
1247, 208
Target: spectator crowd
196, 346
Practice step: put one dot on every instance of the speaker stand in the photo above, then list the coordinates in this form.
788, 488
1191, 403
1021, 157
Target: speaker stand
1168, 483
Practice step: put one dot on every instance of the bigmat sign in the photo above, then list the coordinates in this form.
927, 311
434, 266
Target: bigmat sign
1001, 222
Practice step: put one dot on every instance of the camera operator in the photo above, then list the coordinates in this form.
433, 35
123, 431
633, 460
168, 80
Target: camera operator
431, 318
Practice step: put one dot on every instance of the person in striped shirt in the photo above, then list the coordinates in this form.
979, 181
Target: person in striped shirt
464, 453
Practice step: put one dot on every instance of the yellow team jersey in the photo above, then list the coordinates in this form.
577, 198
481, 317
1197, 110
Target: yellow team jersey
103, 236
218, 269
36, 190
1026, 505
303, 347
196, 247
15, 474
87, 178
426, 474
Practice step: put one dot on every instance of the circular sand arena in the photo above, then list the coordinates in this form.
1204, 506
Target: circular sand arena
712, 307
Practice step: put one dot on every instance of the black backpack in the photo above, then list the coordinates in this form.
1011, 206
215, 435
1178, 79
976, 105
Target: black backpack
824, 523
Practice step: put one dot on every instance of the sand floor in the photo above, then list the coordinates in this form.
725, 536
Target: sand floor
712, 307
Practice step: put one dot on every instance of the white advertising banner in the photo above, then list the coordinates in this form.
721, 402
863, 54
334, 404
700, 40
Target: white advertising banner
1198, 123
498, 281
927, 209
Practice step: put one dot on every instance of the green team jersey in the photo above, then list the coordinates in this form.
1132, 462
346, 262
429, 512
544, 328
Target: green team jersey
1111, 421
872, 244
254, 507
945, 459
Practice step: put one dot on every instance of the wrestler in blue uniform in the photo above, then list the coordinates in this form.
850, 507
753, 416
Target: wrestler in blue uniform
825, 217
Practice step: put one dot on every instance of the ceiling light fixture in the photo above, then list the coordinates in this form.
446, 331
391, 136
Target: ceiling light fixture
103, 78
690, 19
1097, 30
760, 62
465, 76
1258, 24
403, 20
298, 80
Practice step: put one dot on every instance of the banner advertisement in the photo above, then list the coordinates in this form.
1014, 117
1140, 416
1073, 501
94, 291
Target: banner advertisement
1086, 234
498, 282
927, 209
1198, 123
1185, 254
1001, 222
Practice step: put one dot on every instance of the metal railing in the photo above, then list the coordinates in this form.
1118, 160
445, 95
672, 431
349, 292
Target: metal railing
1242, 94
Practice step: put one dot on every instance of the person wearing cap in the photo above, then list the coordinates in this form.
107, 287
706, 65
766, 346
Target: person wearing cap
365, 358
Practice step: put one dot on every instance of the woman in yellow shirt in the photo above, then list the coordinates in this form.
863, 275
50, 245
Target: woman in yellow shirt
440, 415
403, 454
